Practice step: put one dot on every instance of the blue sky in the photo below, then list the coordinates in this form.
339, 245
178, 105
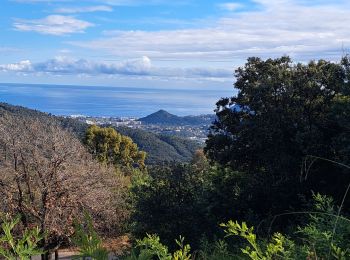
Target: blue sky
161, 43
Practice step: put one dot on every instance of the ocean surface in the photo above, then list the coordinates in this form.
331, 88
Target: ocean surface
111, 101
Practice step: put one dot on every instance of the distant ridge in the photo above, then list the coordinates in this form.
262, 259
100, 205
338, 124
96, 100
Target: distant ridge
162, 117
72, 125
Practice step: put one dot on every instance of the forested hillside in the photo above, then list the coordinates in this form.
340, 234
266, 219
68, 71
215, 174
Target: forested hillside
274, 176
160, 148
75, 126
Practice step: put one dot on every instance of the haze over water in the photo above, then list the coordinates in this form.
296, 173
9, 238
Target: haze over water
110, 101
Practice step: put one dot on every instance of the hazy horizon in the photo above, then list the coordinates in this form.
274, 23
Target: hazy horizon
109, 101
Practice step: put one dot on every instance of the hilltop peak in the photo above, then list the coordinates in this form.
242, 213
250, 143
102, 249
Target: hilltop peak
161, 111
161, 117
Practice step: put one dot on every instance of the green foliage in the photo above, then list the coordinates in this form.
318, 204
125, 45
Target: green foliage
110, 147
184, 252
279, 247
325, 235
22, 247
150, 248
216, 250
282, 113
326, 232
274, 120
229, 195
275, 249
161, 148
168, 202
339, 253
88, 241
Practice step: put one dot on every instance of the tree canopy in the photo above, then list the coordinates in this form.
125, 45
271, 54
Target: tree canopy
110, 147
286, 115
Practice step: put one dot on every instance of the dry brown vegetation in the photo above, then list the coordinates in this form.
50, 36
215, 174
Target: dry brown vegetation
48, 177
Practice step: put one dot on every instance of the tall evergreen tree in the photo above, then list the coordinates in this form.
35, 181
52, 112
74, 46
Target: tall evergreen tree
284, 115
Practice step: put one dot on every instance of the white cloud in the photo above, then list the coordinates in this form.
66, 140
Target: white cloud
278, 27
136, 67
85, 9
22, 66
65, 65
53, 24
300, 28
230, 6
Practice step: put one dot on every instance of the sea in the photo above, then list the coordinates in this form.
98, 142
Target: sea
66, 100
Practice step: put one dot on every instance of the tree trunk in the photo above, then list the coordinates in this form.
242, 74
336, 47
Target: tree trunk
45, 256
56, 254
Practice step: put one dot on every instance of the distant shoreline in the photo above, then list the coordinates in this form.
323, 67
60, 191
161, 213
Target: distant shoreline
66, 100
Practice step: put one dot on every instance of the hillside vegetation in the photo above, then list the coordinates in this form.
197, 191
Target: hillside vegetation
276, 159
75, 126
159, 148
272, 182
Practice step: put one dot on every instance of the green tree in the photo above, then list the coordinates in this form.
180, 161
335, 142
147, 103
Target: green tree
168, 202
282, 113
110, 147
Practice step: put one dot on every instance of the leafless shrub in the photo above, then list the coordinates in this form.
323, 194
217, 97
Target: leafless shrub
48, 177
